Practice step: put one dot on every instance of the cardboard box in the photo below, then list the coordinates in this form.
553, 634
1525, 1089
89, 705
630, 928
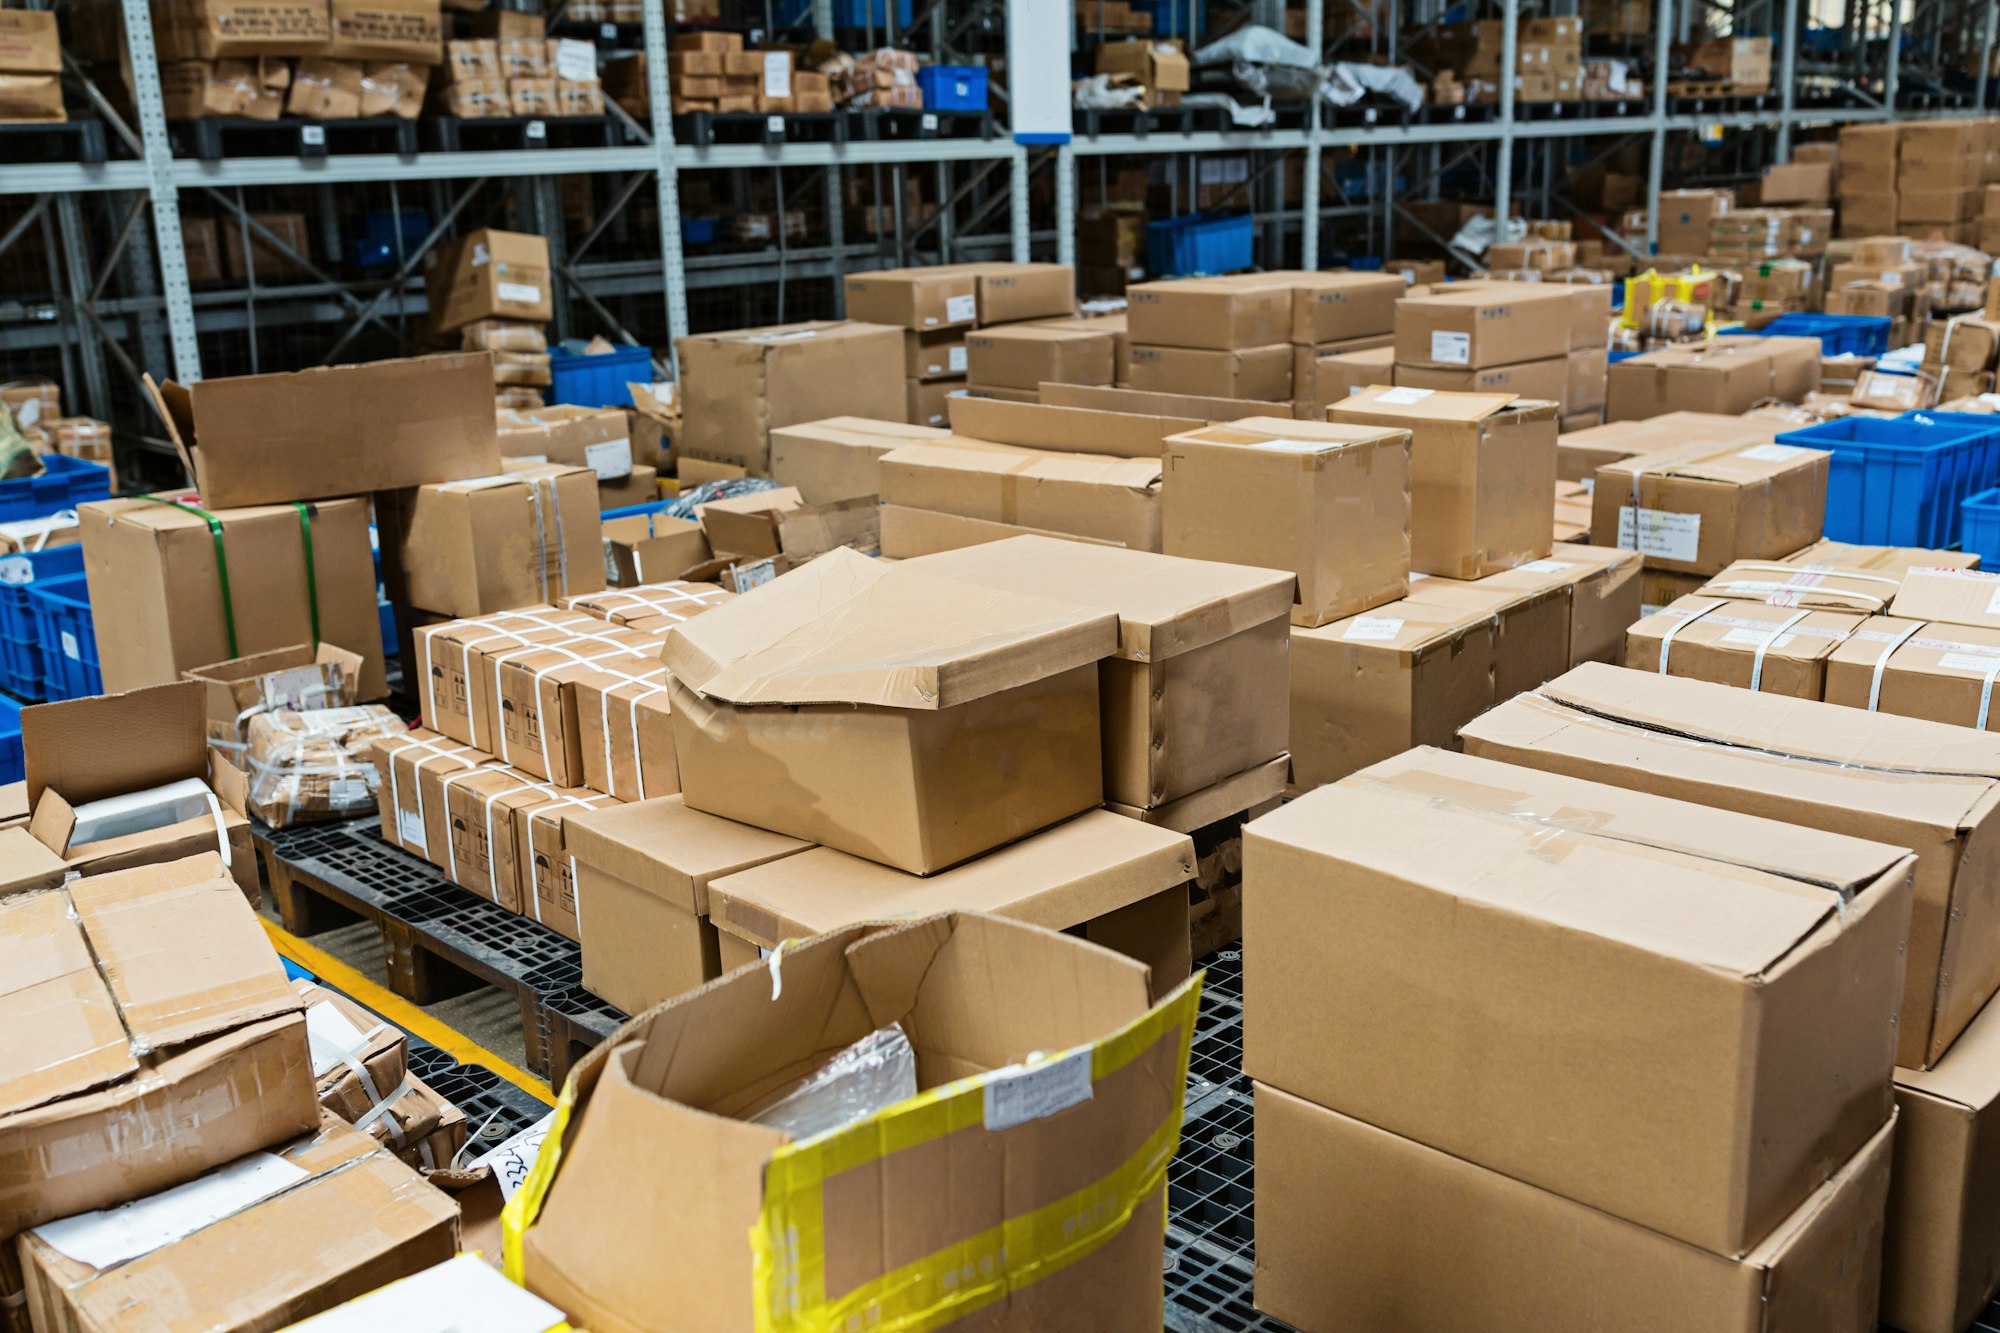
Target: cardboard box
31, 97
1009, 293
1022, 356
934, 356
410, 819
1531, 626
766, 686
1955, 596
1584, 387
333, 431
739, 386
609, 1244
1476, 329
530, 693
646, 548
29, 43
490, 274
1113, 499
1700, 508
1130, 425
1330, 503
186, 1260
1895, 780
1410, 1215
1220, 314
1893, 560
411, 30
1783, 584
1868, 214
113, 1053
1114, 881
324, 90
1940, 1251
936, 297
159, 591
1545, 381
589, 437
294, 677
1725, 375
1482, 474
1786, 930
1335, 307
1600, 588
1195, 692
1371, 686
452, 666
639, 486
1751, 645
643, 873
1796, 183
1952, 204
1684, 218
541, 848
1321, 380
1160, 66
926, 402
1193, 408
1247, 373
1916, 668
839, 458
469, 548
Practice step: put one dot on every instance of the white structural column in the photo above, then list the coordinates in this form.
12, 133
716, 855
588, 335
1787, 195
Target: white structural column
1309, 204
1503, 170
1038, 101
1788, 67
165, 195
1656, 159
667, 178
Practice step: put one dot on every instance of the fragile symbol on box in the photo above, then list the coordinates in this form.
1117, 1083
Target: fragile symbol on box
1660, 532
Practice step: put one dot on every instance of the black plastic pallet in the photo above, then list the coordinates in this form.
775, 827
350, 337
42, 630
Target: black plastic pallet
509, 134
700, 129
494, 1109
1164, 120
570, 1020
60, 141
211, 140
902, 123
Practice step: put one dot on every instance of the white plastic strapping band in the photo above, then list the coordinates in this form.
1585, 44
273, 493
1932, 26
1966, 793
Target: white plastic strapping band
1882, 662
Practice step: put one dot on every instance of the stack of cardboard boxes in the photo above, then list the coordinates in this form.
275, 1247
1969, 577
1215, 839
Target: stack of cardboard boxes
494, 289
518, 71
1882, 278
1866, 172
1724, 376
1548, 58
1542, 341
1338, 320
30, 66
712, 72
1214, 337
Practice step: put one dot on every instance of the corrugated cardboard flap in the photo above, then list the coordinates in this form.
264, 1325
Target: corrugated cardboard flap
1957, 596
111, 744
1437, 406
176, 411
59, 1027
1082, 429
957, 453
848, 629
1735, 464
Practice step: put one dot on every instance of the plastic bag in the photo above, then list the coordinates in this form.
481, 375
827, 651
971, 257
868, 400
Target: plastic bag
874, 1073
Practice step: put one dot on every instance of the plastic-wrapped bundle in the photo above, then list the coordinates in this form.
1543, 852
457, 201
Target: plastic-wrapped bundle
875, 1072
316, 765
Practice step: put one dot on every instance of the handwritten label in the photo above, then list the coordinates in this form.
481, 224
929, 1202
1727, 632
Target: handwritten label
1660, 532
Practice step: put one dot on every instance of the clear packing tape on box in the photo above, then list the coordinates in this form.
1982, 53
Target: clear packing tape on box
315, 764
788, 1241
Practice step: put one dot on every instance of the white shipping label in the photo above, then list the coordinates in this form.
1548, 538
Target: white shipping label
954, 360
1372, 629
1980, 662
455, 1297
410, 828
519, 293
331, 1037
1660, 532
778, 74
958, 309
1038, 1091
295, 687
117, 1234
1771, 453
1298, 446
610, 460
1757, 638
69, 647
1993, 604
1452, 349
1404, 397
1547, 566
576, 61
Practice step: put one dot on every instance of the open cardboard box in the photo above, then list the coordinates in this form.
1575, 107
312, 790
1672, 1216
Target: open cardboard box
81, 751
295, 677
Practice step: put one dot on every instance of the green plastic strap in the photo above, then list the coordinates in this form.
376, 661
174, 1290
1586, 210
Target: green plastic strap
221, 562
312, 579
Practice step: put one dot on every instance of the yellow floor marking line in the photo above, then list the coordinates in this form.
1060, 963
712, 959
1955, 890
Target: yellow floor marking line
399, 1011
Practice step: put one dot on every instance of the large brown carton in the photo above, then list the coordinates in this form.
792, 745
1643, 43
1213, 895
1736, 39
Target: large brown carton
1336, 307
1705, 1001
643, 872
1216, 313
1126, 429
1482, 474
1321, 380
1580, 453
1941, 1251
1684, 217
1193, 408
1089, 495
1253, 373
662, 1177
490, 274
1451, 1247
597, 438
1955, 596
1546, 381
1330, 503
134, 1075
1196, 690
327, 1218
838, 458
845, 666
1494, 326
740, 386
1371, 686
1758, 646
938, 297
1600, 587
172, 593
1114, 881
1531, 625
1722, 376
467, 548
1023, 356
1916, 784
1918, 668
410, 30
1010, 293
1701, 507
334, 430
29, 43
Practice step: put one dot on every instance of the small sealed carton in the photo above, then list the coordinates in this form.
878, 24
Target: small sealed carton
134, 1075
1493, 326
1955, 596
541, 849
1196, 690
1337, 307
643, 872
1482, 474
1699, 508
410, 817
1530, 626
1216, 313
1010, 293
937, 297
523, 537
1921, 785
1754, 646
1023, 356
1601, 590
839, 458
1712, 966
1114, 881
454, 665
1250, 373
490, 274
1329, 503
847, 666
980, 1066
741, 385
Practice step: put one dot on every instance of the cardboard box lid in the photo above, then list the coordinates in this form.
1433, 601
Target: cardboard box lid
1075, 872
776, 337
1736, 465
1956, 596
1128, 434
1165, 604
1185, 407
1673, 430
848, 629
1716, 889
109, 744
1423, 404
50, 972
1969, 1074
663, 847
1788, 585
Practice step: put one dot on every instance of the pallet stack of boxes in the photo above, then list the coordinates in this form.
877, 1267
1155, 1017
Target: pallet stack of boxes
1214, 337
492, 292
30, 67
712, 72
512, 68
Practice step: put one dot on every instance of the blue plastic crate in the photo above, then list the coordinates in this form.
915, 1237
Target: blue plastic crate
599, 381
1895, 482
953, 87
386, 614
848, 14
69, 638
1839, 335
697, 231
11, 759
1200, 243
65, 483
1980, 527
21, 667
